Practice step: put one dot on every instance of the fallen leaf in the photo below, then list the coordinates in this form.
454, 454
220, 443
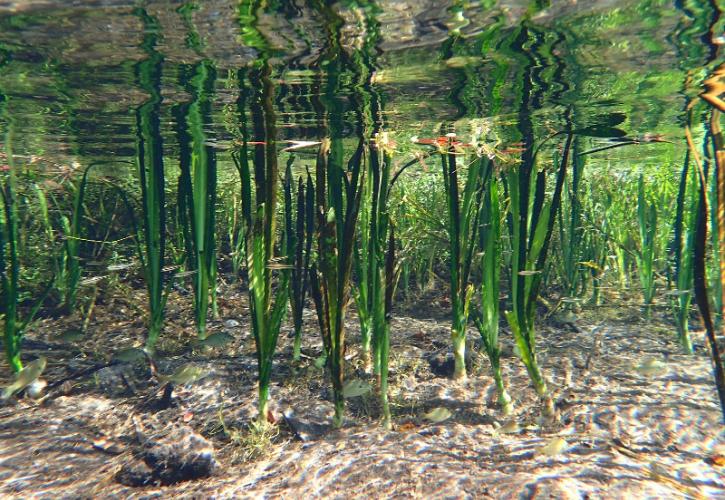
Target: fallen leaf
187, 417
406, 427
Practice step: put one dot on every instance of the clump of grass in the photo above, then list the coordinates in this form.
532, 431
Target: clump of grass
252, 442
487, 317
683, 245
267, 305
463, 212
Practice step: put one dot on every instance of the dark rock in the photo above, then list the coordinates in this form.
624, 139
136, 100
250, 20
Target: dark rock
116, 380
309, 427
442, 363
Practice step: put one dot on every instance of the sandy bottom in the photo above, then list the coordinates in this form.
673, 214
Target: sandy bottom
627, 434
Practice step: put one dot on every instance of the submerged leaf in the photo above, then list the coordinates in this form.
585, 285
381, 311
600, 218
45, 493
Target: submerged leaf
354, 388
438, 415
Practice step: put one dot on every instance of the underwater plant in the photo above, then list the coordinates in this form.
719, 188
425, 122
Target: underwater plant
338, 191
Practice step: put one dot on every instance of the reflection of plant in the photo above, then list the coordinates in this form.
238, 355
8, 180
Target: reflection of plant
198, 193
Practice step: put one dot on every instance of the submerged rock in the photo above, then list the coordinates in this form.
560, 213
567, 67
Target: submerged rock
116, 380
308, 427
135, 474
181, 455
442, 364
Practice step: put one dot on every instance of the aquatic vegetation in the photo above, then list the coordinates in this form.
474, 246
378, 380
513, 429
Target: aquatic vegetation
647, 222
531, 223
299, 234
268, 307
69, 272
683, 244
150, 163
555, 214
700, 250
198, 193
463, 207
14, 324
487, 317
338, 191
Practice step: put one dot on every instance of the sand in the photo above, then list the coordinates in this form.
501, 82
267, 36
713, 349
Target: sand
626, 434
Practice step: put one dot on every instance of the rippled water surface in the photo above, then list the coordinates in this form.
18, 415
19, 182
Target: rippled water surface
74, 74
